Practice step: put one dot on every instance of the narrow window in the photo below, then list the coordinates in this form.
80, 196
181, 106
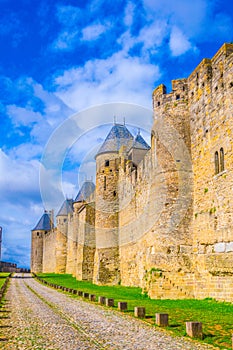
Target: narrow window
106, 162
38, 233
105, 182
177, 97
216, 161
114, 193
221, 159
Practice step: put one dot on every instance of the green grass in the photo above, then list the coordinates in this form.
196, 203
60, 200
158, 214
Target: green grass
217, 317
3, 276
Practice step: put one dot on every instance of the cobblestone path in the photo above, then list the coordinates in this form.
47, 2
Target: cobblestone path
38, 317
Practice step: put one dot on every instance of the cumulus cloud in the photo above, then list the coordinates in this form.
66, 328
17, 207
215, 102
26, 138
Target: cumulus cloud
117, 78
178, 43
18, 180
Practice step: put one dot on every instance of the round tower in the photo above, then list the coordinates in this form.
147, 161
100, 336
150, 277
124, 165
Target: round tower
106, 269
62, 233
43, 226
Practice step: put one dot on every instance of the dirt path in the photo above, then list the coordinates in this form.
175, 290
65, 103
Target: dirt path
38, 317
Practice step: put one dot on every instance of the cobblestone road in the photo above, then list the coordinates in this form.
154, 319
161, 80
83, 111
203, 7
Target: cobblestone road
38, 317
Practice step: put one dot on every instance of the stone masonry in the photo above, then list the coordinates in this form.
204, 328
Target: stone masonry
160, 217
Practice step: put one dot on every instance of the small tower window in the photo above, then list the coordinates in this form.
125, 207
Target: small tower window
216, 162
178, 97
105, 183
38, 233
221, 159
106, 162
114, 193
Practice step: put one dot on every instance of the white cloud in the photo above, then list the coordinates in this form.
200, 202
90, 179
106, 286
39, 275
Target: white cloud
129, 14
18, 179
118, 78
93, 31
66, 40
23, 116
178, 43
152, 35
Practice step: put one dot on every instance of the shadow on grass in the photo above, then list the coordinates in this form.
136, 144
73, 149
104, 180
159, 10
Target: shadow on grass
209, 335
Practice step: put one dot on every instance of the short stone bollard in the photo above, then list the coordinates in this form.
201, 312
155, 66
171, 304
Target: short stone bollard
139, 311
194, 329
161, 320
92, 297
74, 291
109, 302
86, 295
122, 305
102, 300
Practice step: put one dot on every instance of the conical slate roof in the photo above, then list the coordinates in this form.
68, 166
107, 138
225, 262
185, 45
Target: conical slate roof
66, 207
140, 143
44, 223
118, 136
86, 190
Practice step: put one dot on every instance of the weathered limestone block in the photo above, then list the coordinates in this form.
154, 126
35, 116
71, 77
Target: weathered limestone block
161, 320
194, 329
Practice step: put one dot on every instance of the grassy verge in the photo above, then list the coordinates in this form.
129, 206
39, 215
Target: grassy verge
217, 317
3, 277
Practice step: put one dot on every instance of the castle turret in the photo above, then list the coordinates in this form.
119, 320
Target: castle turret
138, 150
61, 237
84, 230
43, 226
107, 205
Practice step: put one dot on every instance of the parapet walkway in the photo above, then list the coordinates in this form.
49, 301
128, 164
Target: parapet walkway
38, 317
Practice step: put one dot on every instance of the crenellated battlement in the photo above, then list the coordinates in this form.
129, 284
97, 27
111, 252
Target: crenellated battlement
160, 217
178, 95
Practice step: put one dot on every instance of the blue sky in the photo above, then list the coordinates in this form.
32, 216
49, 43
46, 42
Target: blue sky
62, 57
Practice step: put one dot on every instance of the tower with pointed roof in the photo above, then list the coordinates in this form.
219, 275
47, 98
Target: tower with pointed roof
84, 229
62, 232
43, 226
107, 205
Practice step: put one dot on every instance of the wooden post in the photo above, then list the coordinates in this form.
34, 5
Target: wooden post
85, 295
80, 293
92, 297
102, 300
139, 311
122, 305
194, 329
161, 320
109, 302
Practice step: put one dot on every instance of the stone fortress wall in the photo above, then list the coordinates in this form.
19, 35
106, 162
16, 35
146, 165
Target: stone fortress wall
160, 218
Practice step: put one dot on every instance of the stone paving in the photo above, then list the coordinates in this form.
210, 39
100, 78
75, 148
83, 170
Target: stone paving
38, 317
